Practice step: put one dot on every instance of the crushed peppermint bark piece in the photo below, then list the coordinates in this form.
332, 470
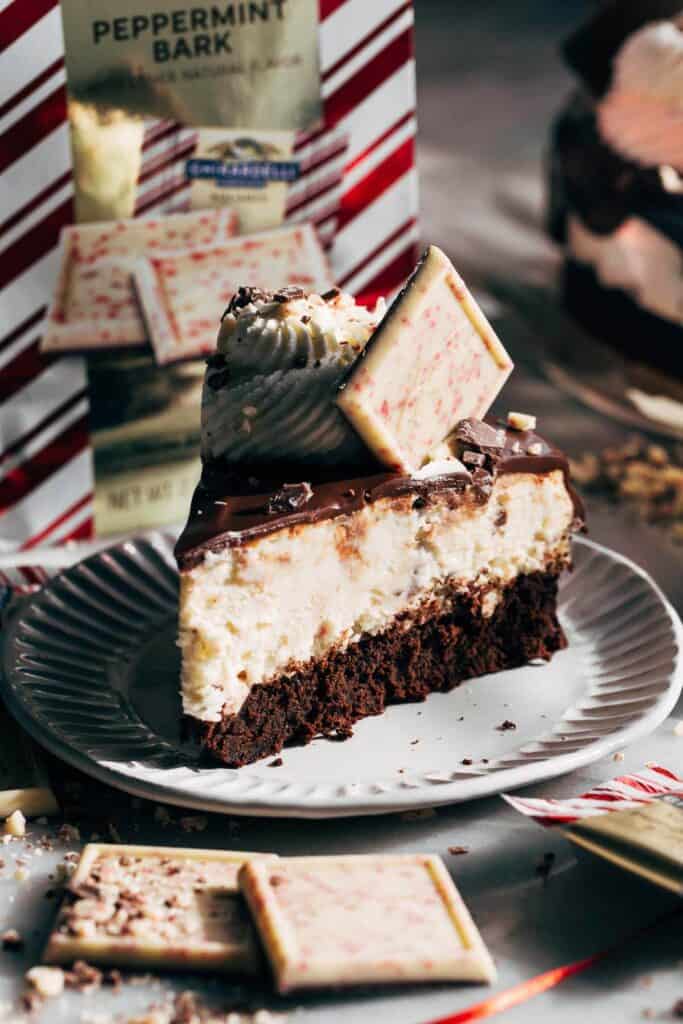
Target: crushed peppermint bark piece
145, 905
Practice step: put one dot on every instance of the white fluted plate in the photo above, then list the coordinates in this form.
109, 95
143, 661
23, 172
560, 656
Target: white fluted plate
90, 669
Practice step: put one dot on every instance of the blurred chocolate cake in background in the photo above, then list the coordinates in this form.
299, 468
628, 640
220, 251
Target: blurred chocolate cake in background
616, 180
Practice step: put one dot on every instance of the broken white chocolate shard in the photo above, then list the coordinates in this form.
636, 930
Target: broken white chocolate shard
24, 785
361, 920
147, 906
433, 361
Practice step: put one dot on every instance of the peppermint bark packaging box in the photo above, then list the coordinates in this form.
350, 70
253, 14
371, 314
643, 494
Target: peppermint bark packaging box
153, 158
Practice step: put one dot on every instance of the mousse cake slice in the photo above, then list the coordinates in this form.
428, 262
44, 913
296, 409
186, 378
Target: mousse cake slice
318, 585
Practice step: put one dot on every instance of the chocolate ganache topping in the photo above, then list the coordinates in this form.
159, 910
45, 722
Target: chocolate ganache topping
269, 389
229, 510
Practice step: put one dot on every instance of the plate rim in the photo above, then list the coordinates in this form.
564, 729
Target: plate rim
123, 775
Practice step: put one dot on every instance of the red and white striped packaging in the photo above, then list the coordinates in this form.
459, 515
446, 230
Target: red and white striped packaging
316, 194
621, 794
367, 220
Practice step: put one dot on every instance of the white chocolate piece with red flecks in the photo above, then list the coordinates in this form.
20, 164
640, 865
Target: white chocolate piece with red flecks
362, 920
148, 906
94, 303
433, 361
183, 295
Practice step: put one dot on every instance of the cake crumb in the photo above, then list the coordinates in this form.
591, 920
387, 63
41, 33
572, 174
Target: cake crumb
48, 982
457, 851
68, 833
83, 977
421, 814
545, 866
162, 816
521, 421
277, 763
618, 756
12, 941
194, 823
31, 1001
15, 824
506, 726
646, 476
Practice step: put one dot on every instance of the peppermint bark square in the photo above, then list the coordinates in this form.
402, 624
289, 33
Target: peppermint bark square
94, 304
184, 294
146, 906
362, 920
433, 361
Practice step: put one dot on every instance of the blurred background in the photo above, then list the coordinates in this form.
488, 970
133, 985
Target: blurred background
490, 81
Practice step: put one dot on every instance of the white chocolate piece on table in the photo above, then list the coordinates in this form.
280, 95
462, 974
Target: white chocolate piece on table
433, 361
15, 824
24, 784
147, 906
361, 920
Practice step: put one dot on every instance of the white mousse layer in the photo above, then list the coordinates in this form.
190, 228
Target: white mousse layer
248, 613
637, 259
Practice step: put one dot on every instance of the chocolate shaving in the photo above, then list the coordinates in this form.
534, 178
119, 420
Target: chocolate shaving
331, 294
216, 361
289, 498
218, 380
244, 296
473, 458
482, 485
289, 293
506, 726
480, 436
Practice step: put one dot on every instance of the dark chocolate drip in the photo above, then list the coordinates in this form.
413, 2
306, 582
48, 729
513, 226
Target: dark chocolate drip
231, 510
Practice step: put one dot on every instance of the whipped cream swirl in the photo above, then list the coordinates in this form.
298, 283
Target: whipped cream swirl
269, 391
642, 114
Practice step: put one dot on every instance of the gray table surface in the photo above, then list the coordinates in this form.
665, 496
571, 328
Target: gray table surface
489, 82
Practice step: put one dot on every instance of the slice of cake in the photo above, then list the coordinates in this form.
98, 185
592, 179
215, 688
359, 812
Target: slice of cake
318, 585
616, 181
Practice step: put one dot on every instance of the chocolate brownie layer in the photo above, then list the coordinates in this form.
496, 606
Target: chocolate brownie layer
417, 655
